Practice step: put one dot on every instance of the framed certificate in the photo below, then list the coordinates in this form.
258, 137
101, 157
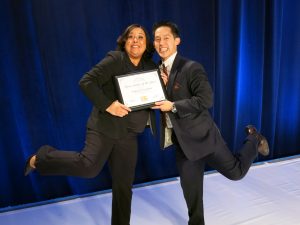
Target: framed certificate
140, 90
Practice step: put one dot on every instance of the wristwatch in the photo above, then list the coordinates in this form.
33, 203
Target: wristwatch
174, 110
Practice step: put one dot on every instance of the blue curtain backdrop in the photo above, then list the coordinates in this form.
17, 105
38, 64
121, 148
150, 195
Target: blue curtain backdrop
250, 49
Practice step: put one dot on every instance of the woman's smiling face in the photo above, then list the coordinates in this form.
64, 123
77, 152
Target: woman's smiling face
135, 44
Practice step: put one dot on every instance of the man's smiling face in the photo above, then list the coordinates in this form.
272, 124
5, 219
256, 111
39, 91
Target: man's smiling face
165, 43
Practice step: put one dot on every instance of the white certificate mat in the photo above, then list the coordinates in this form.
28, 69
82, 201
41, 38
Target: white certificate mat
140, 90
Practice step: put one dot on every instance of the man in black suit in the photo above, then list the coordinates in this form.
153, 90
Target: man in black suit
197, 139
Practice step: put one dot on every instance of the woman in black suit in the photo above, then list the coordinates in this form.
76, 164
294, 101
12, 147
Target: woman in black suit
111, 128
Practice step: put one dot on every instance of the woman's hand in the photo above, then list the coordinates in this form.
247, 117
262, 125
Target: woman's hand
118, 109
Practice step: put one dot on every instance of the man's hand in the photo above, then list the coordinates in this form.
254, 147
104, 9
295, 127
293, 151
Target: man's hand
118, 109
164, 106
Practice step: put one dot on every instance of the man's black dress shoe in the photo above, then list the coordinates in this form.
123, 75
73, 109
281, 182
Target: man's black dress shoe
28, 169
263, 146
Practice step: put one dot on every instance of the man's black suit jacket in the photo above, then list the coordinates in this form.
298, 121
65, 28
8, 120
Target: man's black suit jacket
98, 85
189, 88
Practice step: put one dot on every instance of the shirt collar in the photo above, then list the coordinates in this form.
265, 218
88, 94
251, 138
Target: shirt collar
169, 62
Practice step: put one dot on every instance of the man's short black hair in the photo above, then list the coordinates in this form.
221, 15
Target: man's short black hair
171, 25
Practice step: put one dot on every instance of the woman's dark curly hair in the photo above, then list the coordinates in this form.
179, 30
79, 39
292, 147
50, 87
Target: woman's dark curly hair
124, 36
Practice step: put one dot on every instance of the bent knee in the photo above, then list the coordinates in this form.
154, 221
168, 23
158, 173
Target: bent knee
89, 173
90, 170
235, 177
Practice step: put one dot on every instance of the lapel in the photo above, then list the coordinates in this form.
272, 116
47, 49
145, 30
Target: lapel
173, 74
